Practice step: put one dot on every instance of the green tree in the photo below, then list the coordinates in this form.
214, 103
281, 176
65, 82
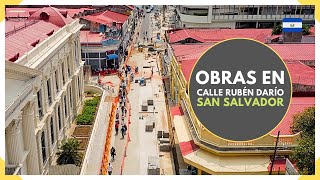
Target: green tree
304, 153
68, 153
304, 122
277, 29
306, 29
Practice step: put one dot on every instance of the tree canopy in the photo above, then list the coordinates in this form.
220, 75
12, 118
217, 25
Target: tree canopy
68, 153
304, 154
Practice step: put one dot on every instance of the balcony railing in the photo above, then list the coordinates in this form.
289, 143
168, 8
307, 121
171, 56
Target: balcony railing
266, 143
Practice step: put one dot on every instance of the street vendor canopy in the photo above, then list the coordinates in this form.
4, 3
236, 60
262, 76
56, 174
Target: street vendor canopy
111, 56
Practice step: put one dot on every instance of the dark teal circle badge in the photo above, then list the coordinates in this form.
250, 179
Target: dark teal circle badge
240, 89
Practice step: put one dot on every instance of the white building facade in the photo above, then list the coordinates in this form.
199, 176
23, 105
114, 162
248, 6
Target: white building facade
44, 94
240, 16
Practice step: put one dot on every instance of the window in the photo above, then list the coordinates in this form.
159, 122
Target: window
62, 70
49, 91
43, 147
59, 118
57, 80
79, 86
71, 100
52, 131
39, 98
68, 63
65, 106
76, 53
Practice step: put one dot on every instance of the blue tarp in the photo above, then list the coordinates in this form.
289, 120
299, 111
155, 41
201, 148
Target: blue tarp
111, 56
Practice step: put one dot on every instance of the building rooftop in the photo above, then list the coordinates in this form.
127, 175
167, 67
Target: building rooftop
90, 37
300, 73
25, 37
52, 15
176, 110
107, 17
216, 35
299, 52
298, 104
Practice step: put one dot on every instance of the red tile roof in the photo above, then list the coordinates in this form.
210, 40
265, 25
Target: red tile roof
194, 51
215, 35
176, 110
21, 41
188, 147
278, 165
298, 104
107, 17
297, 52
90, 37
55, 16
301, 73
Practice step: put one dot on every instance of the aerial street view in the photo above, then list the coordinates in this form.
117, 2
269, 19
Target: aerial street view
109, 90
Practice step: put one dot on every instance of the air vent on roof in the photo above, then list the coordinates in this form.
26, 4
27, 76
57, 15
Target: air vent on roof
35, 43
14, 58
50, 33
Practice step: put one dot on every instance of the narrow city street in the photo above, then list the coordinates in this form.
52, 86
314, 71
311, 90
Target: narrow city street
133, 151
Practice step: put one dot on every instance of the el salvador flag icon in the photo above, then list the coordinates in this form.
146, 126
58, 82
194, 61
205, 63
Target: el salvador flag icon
292, 25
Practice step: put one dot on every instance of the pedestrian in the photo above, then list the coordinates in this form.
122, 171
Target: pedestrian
122, 108
117, 116
122, 119
117, 127
151, 71
125, 112
122, 132
113, 153
110, 168
125, 128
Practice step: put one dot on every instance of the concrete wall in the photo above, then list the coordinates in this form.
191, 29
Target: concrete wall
92, 88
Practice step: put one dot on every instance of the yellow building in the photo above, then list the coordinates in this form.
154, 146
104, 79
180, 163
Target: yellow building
209, 153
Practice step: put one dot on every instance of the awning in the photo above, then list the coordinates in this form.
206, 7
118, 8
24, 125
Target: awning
111, 56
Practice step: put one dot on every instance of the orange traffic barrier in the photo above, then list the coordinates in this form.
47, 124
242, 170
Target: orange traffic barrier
105, 159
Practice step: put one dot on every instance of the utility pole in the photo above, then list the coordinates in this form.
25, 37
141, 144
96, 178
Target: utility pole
274, 153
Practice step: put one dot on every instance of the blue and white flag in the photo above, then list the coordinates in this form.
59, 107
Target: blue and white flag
292, 25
